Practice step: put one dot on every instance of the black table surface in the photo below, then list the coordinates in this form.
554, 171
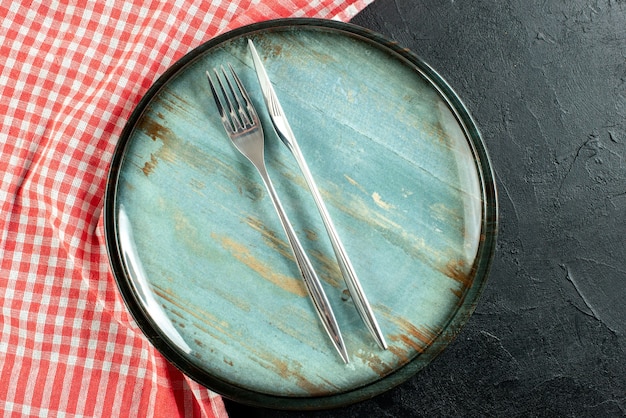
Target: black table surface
546, 84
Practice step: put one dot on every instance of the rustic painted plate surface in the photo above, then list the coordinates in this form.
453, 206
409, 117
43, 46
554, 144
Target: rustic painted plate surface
200, 256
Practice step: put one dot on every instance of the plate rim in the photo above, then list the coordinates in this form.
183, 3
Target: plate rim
466, 306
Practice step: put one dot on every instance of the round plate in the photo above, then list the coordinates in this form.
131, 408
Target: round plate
199, 254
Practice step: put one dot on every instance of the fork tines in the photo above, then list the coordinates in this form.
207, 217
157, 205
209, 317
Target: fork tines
235, 102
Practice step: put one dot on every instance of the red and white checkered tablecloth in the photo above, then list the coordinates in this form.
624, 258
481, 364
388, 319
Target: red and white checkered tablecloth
70, 74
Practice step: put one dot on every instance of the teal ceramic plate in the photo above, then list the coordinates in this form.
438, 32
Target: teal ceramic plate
200, 256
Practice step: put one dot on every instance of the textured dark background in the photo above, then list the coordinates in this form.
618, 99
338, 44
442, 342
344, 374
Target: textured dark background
546, 84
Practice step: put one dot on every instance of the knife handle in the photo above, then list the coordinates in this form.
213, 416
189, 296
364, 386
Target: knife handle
347, 270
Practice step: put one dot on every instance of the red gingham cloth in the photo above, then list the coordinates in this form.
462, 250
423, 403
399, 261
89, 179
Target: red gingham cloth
70, 74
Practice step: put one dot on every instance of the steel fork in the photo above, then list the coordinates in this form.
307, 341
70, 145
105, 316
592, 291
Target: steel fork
243, 127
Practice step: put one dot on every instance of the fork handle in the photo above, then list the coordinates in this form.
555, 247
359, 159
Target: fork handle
311, 281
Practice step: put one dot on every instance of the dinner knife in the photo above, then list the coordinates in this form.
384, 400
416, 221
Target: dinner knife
284, 132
